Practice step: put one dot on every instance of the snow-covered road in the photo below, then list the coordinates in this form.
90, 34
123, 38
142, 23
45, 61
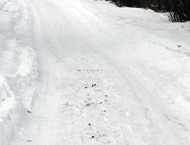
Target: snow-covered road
89, 73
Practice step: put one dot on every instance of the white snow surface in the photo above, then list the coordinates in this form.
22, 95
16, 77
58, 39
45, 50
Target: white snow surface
86, 72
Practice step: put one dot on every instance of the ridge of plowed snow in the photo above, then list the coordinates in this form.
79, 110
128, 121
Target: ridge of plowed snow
18, 75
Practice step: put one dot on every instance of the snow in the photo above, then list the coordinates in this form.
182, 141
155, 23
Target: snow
18, 75
86, 72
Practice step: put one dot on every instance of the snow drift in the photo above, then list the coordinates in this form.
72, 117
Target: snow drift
18, 74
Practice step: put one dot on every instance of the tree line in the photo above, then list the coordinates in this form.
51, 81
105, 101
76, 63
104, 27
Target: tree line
179, 10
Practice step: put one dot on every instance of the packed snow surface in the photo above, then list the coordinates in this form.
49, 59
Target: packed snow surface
85, 72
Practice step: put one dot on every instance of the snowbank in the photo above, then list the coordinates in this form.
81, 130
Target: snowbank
18, 74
